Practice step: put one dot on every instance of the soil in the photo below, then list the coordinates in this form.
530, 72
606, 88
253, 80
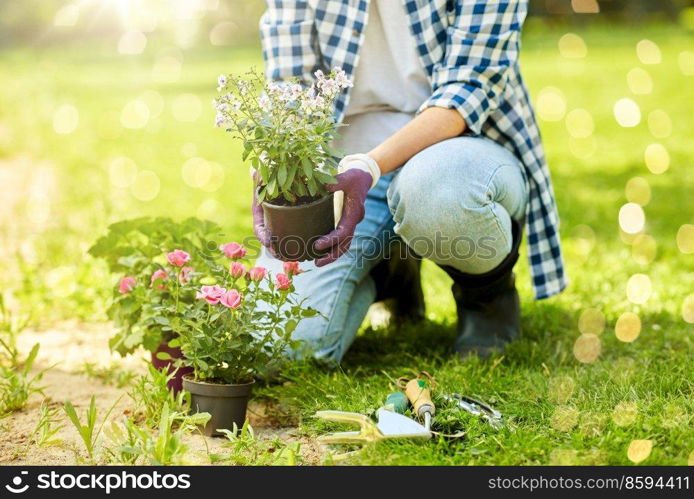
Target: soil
280, 201
67, 347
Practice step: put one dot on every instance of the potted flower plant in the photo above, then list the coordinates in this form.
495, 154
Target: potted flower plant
141, 252
286, 130
239, 327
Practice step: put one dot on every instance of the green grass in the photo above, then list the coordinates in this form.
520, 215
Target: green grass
545, 424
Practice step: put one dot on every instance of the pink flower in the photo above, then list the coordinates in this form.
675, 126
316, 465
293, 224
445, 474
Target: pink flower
178, 257
292, 268
257, 274
237, 270
211, 294
282, 281
233, 250
126, 285
183, 277
159, 275
231, 299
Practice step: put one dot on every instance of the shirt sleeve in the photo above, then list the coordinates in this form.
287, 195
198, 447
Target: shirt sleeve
482, 44
289, 40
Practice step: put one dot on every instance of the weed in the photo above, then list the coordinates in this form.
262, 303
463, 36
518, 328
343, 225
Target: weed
89, 433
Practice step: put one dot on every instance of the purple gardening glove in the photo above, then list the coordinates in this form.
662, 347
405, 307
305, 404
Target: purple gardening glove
355, 184
259, 228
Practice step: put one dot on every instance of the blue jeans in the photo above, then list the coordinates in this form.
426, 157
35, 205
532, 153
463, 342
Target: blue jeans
451, 203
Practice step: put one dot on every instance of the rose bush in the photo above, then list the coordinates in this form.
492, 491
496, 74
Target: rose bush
177, 286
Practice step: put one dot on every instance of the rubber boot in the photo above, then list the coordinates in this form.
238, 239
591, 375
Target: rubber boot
488, 305
399, 286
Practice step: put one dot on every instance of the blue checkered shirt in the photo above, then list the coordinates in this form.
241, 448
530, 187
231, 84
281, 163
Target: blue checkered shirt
470, 51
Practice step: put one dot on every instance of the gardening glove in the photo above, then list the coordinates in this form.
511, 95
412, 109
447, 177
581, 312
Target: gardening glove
357, 174
259, 228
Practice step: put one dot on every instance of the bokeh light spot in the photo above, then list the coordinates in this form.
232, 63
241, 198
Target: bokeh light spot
690, 461
639, 81
659, 123
132, 43
592, 423
657, 158
638, 191
625, 413
644, 249
563, 457
564, 418
688, 309
685, 238
551, 105
584, 238
186, 107
579, 123
673, 416
135, 114
222, 34
122, 172
587, 348
631, 218
560, 389
639, 289
585, 6
146, 186
210, 209
65, 119
154, 101
686, 62
648, 52
627, 112
639, 450
572, 46
622, 370
216, 178
591, 321
628, 327
196, 172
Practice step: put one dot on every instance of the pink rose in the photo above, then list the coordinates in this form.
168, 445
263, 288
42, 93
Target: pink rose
126, 285
211, 294
159, 275
231, 299
257, 274
178, 258
233, 250
282, 281
292, 268
237, 269
183, 277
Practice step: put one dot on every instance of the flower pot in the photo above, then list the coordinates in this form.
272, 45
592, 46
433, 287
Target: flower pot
294, 228
176, 382
226, 403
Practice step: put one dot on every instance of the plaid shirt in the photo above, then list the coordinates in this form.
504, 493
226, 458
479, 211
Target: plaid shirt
470, 51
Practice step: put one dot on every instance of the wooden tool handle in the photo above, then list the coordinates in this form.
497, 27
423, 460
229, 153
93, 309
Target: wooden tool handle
419, 395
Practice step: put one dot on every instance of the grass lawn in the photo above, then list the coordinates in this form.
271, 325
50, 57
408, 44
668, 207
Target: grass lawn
88, 137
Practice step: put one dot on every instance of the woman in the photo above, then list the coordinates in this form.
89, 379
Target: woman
444, 156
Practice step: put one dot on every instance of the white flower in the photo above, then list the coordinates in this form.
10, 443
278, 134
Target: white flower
221, 83
265, 103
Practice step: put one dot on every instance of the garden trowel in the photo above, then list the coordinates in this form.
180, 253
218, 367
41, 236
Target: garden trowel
390, 425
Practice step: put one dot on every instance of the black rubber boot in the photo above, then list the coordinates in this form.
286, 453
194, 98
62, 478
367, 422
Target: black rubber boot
488, 305
399, 285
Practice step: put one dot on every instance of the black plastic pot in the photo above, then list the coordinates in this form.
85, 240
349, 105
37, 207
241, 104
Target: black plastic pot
226, 403
294, 229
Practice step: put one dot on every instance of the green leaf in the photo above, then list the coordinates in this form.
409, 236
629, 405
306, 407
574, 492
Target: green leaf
282, 175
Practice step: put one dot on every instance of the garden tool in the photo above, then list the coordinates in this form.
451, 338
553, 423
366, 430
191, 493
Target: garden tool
390, 424
476, 408
418, 392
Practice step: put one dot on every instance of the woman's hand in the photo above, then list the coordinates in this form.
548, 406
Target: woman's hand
359, 174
